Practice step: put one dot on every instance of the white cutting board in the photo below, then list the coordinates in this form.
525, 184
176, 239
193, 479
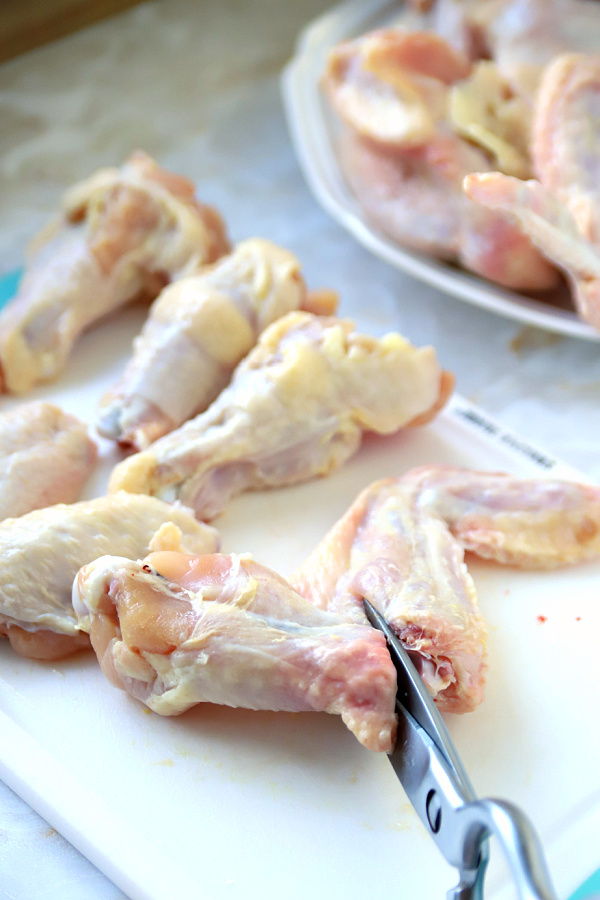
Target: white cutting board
224, 804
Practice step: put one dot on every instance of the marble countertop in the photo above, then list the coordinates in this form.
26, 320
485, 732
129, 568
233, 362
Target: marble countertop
196, 84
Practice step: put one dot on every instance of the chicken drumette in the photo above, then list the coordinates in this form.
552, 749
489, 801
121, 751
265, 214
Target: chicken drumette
122, 233
175, 630
198, 330
296, 409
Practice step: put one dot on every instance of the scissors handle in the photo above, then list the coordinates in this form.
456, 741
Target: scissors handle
478, 820
433, 776
470, 886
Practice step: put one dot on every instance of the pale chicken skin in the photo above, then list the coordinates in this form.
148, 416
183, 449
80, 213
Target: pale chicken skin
565, 137
121, 234
552, 227
561, 210
401, 545
530, 523
41, 552
406, 164
176, 630
417, 199
521, 36
524, 36
483, 110
405, 561
392, 86
46, 456
296, 409
197, 332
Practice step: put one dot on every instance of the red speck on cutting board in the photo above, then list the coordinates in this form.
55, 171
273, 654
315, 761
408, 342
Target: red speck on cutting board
578, 618
542, 619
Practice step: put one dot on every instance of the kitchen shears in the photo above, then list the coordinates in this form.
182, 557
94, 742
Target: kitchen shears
427, 764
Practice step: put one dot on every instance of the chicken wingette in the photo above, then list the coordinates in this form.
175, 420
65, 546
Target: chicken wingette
401, 545
41, 552
46, 456
174, 630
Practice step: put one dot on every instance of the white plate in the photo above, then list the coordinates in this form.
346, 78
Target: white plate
312, 130
234, 805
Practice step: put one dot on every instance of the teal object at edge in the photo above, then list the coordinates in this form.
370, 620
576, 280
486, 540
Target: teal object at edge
8, 286
589, 890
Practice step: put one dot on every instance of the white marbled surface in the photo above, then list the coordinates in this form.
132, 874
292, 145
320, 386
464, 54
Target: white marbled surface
196, 84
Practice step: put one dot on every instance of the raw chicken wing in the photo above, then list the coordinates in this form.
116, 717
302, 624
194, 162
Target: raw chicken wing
197, 332
551, 227
391, 87
524, 36
565, 138
296, 409
41, 552
417, 199
401, 545
561, 211
176, 630
398, 93
405, 561
530, 523
46, 456
521, 36
121, 234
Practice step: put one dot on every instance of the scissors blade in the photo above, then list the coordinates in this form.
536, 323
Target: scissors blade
429, 768
414, 698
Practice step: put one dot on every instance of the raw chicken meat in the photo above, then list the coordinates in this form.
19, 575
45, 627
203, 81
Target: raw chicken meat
121, 234
41, 552
405, 163
561, 212
391, 87
417, 199
521, 36
405, 561
484, 110
197, 332
296, 409
551, 227
450, 93
463, 23
176, 630
566, 133
401, 545
46, 457
404, 90
530, 523
524, 36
